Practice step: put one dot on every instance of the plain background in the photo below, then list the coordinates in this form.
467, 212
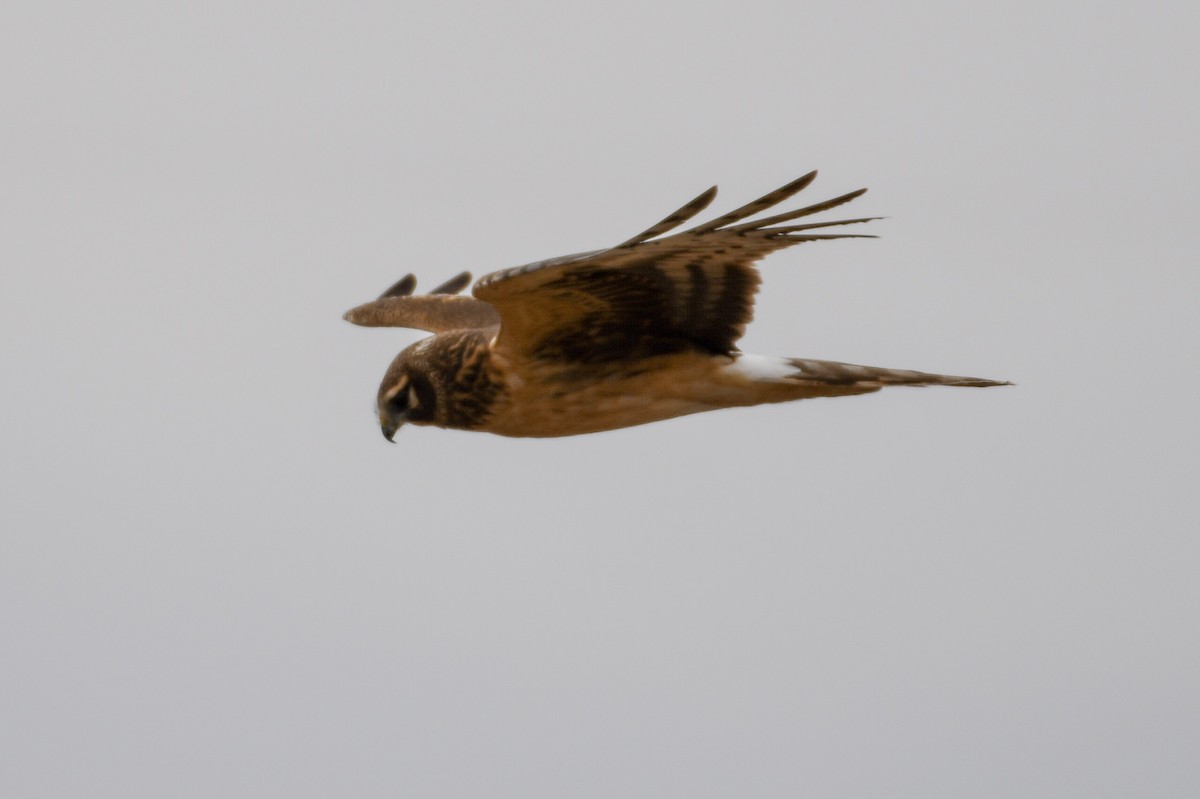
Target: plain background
217, 579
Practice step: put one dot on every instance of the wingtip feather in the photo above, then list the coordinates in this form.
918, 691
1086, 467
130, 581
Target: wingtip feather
761, 204
454, 285
675, 219
402, 287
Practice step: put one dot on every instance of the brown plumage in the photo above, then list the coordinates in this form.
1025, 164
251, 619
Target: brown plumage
643, 331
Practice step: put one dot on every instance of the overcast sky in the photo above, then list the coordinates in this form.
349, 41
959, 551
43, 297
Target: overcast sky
218, 580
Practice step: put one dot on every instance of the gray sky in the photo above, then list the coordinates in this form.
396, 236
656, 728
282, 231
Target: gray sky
217, 579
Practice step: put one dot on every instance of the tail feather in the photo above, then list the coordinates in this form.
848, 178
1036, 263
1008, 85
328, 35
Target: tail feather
834, 373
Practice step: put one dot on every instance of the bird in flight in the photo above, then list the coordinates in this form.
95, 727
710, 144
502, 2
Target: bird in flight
643, 331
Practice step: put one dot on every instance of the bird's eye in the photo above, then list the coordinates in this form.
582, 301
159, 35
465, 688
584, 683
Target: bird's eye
410, 399
401, 400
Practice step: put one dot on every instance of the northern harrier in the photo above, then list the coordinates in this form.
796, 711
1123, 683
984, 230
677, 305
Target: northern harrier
639, 332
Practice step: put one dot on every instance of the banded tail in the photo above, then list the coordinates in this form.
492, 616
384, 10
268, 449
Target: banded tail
767, 379
835, 373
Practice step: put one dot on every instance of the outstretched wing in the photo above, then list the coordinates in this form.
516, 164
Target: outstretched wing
437, 312
648, 296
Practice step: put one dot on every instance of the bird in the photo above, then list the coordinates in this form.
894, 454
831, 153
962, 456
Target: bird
640, 332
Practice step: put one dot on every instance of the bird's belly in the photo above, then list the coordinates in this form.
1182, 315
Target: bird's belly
563, 406
586, 412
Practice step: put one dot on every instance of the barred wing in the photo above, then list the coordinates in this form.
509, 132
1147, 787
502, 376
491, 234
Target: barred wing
651, 296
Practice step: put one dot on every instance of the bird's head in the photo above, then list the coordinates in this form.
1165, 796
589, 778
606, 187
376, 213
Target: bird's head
406, 394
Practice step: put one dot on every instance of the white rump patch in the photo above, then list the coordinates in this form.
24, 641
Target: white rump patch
763, 367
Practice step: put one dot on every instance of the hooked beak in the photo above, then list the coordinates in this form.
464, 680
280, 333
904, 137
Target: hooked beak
389, 426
